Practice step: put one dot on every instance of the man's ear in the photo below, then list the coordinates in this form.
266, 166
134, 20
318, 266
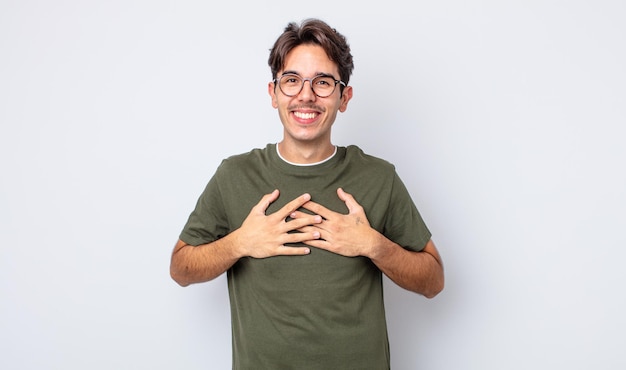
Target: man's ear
271, 89
345, 98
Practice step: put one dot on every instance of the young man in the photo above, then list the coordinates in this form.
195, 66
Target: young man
304, 229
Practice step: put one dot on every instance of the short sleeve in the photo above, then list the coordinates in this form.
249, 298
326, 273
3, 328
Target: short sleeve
404, 224
208, 221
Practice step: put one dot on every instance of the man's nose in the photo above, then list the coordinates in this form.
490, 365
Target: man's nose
307, 92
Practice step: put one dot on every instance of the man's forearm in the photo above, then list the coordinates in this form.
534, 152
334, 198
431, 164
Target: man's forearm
419, 272
197, 264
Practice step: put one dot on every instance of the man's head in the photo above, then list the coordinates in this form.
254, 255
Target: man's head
316, 32
311, 65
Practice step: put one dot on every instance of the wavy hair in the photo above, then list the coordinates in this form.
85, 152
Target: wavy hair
317, 32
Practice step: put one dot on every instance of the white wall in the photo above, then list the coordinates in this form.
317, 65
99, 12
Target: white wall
505, 119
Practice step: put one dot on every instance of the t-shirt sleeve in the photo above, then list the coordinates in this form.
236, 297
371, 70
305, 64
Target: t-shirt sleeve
404, 224
208, 221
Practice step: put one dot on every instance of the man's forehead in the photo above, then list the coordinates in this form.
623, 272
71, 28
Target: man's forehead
309, 59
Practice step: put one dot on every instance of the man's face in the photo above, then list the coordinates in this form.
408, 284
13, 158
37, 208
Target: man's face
306, 117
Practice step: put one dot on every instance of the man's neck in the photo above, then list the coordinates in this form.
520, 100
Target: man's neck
305, 154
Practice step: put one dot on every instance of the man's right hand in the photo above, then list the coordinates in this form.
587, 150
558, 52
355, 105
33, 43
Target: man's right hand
262, 236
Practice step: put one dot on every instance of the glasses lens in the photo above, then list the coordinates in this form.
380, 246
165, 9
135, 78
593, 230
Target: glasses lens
291, 85
323, 86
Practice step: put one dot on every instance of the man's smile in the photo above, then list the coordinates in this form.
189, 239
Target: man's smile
306, 115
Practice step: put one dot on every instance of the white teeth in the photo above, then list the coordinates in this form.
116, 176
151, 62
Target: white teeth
304, 115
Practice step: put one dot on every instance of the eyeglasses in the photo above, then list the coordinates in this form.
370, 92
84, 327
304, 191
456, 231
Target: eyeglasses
323, 85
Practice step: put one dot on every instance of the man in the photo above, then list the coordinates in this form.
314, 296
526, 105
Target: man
304, 229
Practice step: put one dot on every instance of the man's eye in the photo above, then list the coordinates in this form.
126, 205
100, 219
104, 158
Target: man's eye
324, 82
290, 80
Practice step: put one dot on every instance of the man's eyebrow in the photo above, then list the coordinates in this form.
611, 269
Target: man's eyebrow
322, 74
318, 74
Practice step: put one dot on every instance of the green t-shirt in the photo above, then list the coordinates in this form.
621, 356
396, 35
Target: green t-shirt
321, 310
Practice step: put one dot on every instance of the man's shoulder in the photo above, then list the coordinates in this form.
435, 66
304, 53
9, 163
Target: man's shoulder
355, 154
247, 158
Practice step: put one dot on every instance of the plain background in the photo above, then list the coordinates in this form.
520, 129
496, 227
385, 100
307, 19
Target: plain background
504, 118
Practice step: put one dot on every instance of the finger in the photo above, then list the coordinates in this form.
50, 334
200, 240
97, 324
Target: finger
266, 200
349, 200
299, 215
307, 229
318, 243
310, 227
302, 237
318, 209
292, 251
292, 206
298, 223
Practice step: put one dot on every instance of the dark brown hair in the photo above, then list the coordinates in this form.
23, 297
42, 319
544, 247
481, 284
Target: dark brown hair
317, 32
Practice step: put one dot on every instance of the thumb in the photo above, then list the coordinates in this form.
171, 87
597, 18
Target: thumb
348, 199
267, 199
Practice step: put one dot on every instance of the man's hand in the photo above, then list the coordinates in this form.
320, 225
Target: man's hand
351, 235
259, 236
262, 235
345, 234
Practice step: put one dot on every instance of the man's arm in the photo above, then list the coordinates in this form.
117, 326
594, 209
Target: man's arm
351, 235
420, 272
197, 264
259, 236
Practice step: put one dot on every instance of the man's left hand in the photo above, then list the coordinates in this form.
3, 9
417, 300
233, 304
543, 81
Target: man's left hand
345, 234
